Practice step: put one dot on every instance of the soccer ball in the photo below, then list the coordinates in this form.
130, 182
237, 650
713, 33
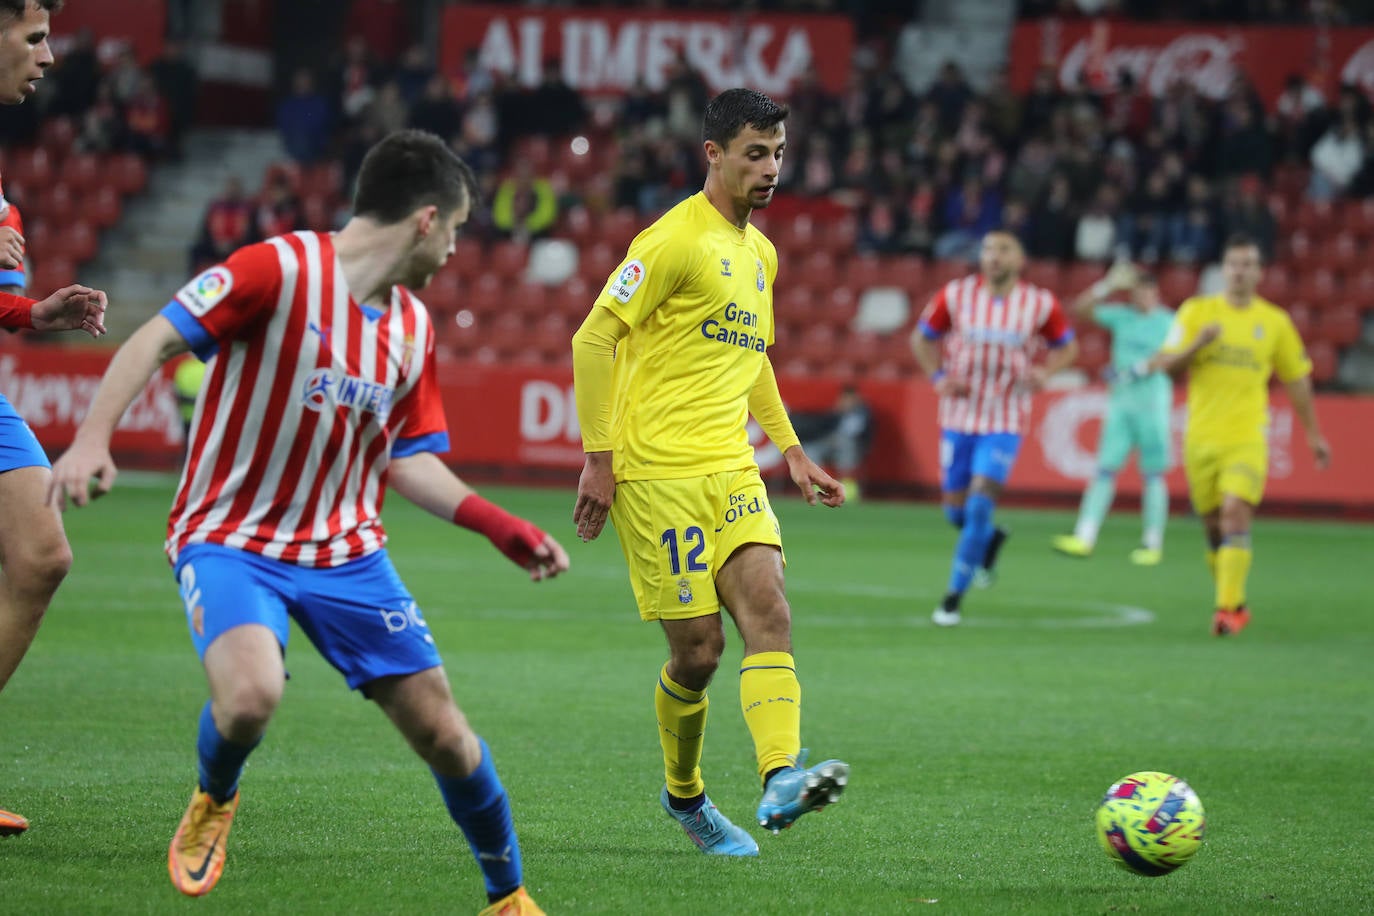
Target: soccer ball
1150, 823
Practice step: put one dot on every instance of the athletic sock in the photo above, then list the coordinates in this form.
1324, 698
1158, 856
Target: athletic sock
1154, 511
1097, 502
1233, 567
221, 760
480, 807
973, 541
770, 696
681, 732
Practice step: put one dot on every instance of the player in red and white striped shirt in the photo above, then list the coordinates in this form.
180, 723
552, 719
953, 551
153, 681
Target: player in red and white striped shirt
320, 392
991, 324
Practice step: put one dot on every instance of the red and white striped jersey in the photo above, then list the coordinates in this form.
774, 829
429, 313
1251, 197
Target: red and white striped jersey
307, 396
989, 344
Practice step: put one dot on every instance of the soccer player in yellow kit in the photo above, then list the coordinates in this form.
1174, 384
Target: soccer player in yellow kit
1230, 343
667, 368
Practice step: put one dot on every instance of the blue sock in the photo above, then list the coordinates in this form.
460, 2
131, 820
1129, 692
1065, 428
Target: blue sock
973, 542
480, 807
221, 760
955, 514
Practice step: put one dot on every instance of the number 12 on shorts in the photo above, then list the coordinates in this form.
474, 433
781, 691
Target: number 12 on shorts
692, 536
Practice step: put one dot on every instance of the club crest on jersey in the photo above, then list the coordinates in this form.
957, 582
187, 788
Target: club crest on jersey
407, 353
325, 387
206, 290
627, 281
1259, 332
760, 279
684, 591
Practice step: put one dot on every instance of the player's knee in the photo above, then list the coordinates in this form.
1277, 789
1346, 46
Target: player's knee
695, 665
39, 565
242, 716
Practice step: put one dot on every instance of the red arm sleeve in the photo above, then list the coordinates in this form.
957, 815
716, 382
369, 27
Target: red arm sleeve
16, 312
1056, 329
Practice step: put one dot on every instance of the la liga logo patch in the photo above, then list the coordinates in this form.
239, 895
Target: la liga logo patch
206, 290
627, 281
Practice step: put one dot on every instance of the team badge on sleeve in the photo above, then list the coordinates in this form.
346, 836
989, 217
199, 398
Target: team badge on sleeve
206, 290
760, 280
627, 281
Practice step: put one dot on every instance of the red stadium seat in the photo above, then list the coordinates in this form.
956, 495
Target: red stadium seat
1176, 283
1315, 218
1339, 325
317, 212
128, 172
31, 168
56, 135
51, 274
1303, 319
102, 208
1325, 361
507, 260
1278, 207
1317, 287
905, 271
58, 206
289, 171
598, 262
1342, 251
579, 227
1043, 273
82, 172
619, 227
325, 179
1275, 285
840, 234
819, 272
1078, 277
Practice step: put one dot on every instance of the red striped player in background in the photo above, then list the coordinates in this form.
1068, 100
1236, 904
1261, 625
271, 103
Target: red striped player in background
320, 392
992, 322
34, 554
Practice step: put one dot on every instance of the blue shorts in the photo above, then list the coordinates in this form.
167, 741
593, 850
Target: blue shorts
359, 615
19, 447
964, 456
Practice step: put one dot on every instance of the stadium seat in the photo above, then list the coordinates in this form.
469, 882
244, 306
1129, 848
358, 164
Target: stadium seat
58, 206
1303, 319
1341, 251
840, 235
1043, 273
50, 274
508, 259
1325, 361
1358, 218
619, 227
882, 310
1078, 277
819, 272
1278, 208
578, 226
468, 258
289, 170
57, 135
598, 262
128, 172
31, 168
942, 272
325, 179
82, 172
1315, 218
905, 271
1275, 285
103, 207
1317, 287
794, 302
1339, 325
1176, 283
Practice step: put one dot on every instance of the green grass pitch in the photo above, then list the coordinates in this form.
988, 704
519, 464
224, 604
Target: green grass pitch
978, 753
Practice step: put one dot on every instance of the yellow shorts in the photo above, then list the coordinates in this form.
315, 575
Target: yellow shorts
676, 535
1216, 471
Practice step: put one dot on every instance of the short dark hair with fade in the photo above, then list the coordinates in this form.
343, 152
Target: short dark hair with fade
1242, 240
728, 114
13, 9
410, 169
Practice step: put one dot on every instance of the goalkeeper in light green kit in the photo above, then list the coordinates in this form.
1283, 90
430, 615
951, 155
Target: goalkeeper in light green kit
1137, 413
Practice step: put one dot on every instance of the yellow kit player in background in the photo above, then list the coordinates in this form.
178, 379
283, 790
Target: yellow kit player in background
1230, 343
667, 368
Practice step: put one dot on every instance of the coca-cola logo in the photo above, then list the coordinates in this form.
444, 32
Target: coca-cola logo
1207, 62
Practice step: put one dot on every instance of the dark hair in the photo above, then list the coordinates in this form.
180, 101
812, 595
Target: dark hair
1242, 240
14, 9
728, 113
408, 170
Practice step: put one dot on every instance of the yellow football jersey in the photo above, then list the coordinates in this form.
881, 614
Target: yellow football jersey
1228, 382
697, 295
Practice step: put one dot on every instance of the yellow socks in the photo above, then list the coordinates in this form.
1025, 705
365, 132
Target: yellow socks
771, 697
681, 731
1233, 566
1212, 564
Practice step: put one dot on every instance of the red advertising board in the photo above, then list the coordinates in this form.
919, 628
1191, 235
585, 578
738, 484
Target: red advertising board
1207, 55
609, 50
520, 422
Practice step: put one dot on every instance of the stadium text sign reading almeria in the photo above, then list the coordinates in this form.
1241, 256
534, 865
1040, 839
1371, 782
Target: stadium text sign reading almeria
611, 50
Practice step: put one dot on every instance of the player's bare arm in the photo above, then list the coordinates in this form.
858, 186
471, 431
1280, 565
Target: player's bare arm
72, 308
927, 353
1300, 393
428, 483
89, 454
1059, 358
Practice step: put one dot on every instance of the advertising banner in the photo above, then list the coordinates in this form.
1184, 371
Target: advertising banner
1207, 55
610, 50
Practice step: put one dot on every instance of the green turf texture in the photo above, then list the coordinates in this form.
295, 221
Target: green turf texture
978, 753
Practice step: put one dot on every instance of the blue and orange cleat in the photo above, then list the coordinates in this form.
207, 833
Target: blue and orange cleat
12, 824
516, 903
795, 791
1229, 623
196, 857
712, 831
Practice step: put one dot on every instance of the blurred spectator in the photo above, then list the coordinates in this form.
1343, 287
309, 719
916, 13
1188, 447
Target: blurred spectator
950, 93
413, 74
227, 225
1041, 102
479, 133
524, 207
1336, 158
77, 75
1301, 112
880, 230
1244, 147
177, 80
1129, 109
918, 233
970, 212
1095, 236
356, 79
556, 108
102, 126
1193, 232
149, 120
437, 111
1003, 110
1054, 222
278, 210
125, 76
1016, 219
474, 79
387, 112
1145, 228
304, 119
1247, 214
